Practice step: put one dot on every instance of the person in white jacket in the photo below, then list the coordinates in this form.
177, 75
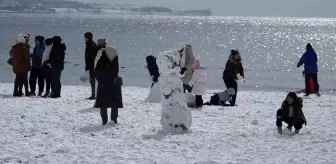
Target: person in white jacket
198, 82
46, 67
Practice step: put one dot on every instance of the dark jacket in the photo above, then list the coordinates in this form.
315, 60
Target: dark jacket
153, 68
109, 93
90, 54
232, 68
57, 55
297, 113
20, 58
309, 59
37, 55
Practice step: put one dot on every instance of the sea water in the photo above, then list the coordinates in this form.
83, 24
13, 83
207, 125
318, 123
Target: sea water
270, 47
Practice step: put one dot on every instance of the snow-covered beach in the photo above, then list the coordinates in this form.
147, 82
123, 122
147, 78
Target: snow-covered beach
68, 130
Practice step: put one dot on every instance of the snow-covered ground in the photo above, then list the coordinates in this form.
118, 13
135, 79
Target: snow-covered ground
68, 130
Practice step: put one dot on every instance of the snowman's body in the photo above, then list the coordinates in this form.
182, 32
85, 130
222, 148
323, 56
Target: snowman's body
175, 116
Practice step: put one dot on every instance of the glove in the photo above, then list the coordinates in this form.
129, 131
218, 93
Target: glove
183, 70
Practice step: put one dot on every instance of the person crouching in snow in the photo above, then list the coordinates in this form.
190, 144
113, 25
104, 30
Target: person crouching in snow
233, 72
46, 68
36, 71
108, 92
198, 82
291, 113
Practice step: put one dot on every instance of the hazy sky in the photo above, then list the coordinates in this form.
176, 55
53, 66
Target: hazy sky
300, 8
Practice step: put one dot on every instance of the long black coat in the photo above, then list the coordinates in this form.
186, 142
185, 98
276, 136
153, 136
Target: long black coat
90, 54
109, 93
232, 68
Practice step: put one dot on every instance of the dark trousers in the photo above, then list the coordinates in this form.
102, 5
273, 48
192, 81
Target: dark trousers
186, 88
307, 81
47, 78
234, 85
20, 80
280, 118
114, 114
199, 101
92, 83
36, 74
56, 82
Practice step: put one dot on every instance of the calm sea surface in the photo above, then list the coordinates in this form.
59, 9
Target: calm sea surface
271, 47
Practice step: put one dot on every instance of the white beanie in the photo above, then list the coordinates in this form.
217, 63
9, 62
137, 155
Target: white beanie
21, 39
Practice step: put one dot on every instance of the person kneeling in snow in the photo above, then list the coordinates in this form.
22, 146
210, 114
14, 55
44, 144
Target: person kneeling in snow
220, 99
108, 92
198, 82
291, 113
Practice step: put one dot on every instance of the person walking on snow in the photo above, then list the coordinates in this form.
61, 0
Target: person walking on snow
36, 71
56, 61
291, 113
46, 68
21, 65
309, 60
108, 92
233, 72
198, 82
90, 55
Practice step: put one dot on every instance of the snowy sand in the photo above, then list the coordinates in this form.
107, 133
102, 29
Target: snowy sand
67, 130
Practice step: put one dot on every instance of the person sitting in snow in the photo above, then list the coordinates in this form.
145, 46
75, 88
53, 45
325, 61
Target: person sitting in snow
198, 83
220, 99
233, 72
291, 113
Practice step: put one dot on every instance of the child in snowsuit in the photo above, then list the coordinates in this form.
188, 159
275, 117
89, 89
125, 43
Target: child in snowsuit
198, 82
291, 113
311, 88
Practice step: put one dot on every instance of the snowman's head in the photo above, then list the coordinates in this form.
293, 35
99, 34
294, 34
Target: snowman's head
169, 60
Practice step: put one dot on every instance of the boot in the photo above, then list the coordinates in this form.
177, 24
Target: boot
40, 94
28, 94
91, 98
279, 130
16, 94
297, 131
47, 94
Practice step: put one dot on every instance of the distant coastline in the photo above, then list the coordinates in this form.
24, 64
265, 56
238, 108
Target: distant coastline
65, 6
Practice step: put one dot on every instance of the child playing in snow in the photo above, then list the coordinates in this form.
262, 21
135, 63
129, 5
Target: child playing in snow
291, 113
311, 88
198, 83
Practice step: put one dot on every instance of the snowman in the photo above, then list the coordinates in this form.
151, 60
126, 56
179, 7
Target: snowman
175, 116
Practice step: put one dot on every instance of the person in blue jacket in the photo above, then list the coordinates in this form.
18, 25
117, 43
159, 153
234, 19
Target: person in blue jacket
309, 60
36, 73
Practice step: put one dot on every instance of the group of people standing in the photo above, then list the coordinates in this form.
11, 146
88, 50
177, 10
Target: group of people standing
45, 64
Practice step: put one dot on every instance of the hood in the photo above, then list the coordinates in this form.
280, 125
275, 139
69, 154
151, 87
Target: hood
21, 39
57, 40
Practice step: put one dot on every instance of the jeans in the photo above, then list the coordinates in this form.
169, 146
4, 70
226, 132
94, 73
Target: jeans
36, 74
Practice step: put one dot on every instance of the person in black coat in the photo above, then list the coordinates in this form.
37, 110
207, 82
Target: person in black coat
109, 93
233, 71
153, 69
56, 60
291, 113
90, 55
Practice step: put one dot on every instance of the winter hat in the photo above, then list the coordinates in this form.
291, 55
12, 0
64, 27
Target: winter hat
27, 36
21, 38
101, 42
309, 46
57, 39
197, 64
48, 41
39, 38
88, 35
